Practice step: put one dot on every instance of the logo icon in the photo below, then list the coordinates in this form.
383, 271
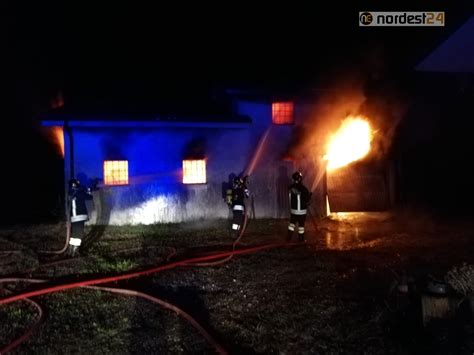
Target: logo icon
366, 18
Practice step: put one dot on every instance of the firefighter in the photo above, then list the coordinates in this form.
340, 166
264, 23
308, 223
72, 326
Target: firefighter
239, 193
299, 202
78, 214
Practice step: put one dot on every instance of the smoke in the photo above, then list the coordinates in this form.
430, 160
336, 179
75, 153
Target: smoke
195, 149
357, 92
115, 144
330, 107
384, 106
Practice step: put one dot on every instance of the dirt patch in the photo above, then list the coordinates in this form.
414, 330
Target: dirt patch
338, 293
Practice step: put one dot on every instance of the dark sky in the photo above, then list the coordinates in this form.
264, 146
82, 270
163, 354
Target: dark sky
95, 51
118, 54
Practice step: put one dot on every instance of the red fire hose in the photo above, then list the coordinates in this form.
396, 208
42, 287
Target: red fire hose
177, 310
68, 236
218, 262
163, 303
90, 283
30, 330
196, 261
126, 292
68, 260
109, 279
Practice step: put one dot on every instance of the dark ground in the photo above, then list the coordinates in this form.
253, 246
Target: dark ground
337, 294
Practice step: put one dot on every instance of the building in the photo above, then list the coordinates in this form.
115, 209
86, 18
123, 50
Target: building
158, 169
435, 138
172, 169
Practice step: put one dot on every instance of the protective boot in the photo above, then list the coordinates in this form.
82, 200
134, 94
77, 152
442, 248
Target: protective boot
289, 235
301, 238
235, 230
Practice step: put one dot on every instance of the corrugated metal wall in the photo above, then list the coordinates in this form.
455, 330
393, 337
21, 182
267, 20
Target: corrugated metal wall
351, 189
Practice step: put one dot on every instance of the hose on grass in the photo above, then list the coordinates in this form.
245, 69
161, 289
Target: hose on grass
25, 336
219, 349
234, 244
208, 260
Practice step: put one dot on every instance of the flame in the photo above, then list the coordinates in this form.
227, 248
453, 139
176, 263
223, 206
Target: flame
350, 143
58, 136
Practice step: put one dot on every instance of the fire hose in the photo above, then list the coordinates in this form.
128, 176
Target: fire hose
252, 202
163, 303
40, 318
237, 241
145, 272
68, 236
67, 260
197, 261
313, 219
105, 280
126, 292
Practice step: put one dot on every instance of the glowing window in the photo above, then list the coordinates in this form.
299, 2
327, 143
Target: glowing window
115, 172
194, 171
282, 112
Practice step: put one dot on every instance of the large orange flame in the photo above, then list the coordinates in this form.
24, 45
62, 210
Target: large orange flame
350, 143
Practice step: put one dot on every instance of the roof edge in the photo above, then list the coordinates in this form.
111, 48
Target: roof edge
142, 124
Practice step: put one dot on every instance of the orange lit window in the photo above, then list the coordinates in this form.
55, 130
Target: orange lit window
282, 112
115, 172
194, 171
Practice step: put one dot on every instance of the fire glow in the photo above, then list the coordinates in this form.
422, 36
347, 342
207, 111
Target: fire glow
194, 171
350, 143
58, 135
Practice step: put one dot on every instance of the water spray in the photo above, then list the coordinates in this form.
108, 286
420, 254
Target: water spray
258, 152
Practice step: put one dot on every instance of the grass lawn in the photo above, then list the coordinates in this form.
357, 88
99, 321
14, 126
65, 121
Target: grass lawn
335, 294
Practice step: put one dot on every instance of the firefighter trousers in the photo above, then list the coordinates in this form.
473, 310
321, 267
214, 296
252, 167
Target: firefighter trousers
294, 220
237, 221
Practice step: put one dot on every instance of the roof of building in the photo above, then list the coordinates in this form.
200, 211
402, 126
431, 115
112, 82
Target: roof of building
454, 55
144, 104
129, 122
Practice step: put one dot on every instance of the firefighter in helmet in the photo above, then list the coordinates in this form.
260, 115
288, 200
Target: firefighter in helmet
77, 214
239, 193
299, 202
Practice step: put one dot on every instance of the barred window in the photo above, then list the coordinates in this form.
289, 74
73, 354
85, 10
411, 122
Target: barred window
282, 112
115, 172
194, 171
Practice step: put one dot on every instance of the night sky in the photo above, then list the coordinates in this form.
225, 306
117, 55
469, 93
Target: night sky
133, 58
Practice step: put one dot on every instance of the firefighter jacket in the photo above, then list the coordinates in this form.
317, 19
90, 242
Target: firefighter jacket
238, 197
299, 198
78, 209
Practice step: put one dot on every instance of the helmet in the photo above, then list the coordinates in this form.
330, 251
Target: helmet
238, 181
74, 183
297, 176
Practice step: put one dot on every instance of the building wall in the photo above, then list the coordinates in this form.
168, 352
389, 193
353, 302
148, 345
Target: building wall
269, 174
156, 194
155, 151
